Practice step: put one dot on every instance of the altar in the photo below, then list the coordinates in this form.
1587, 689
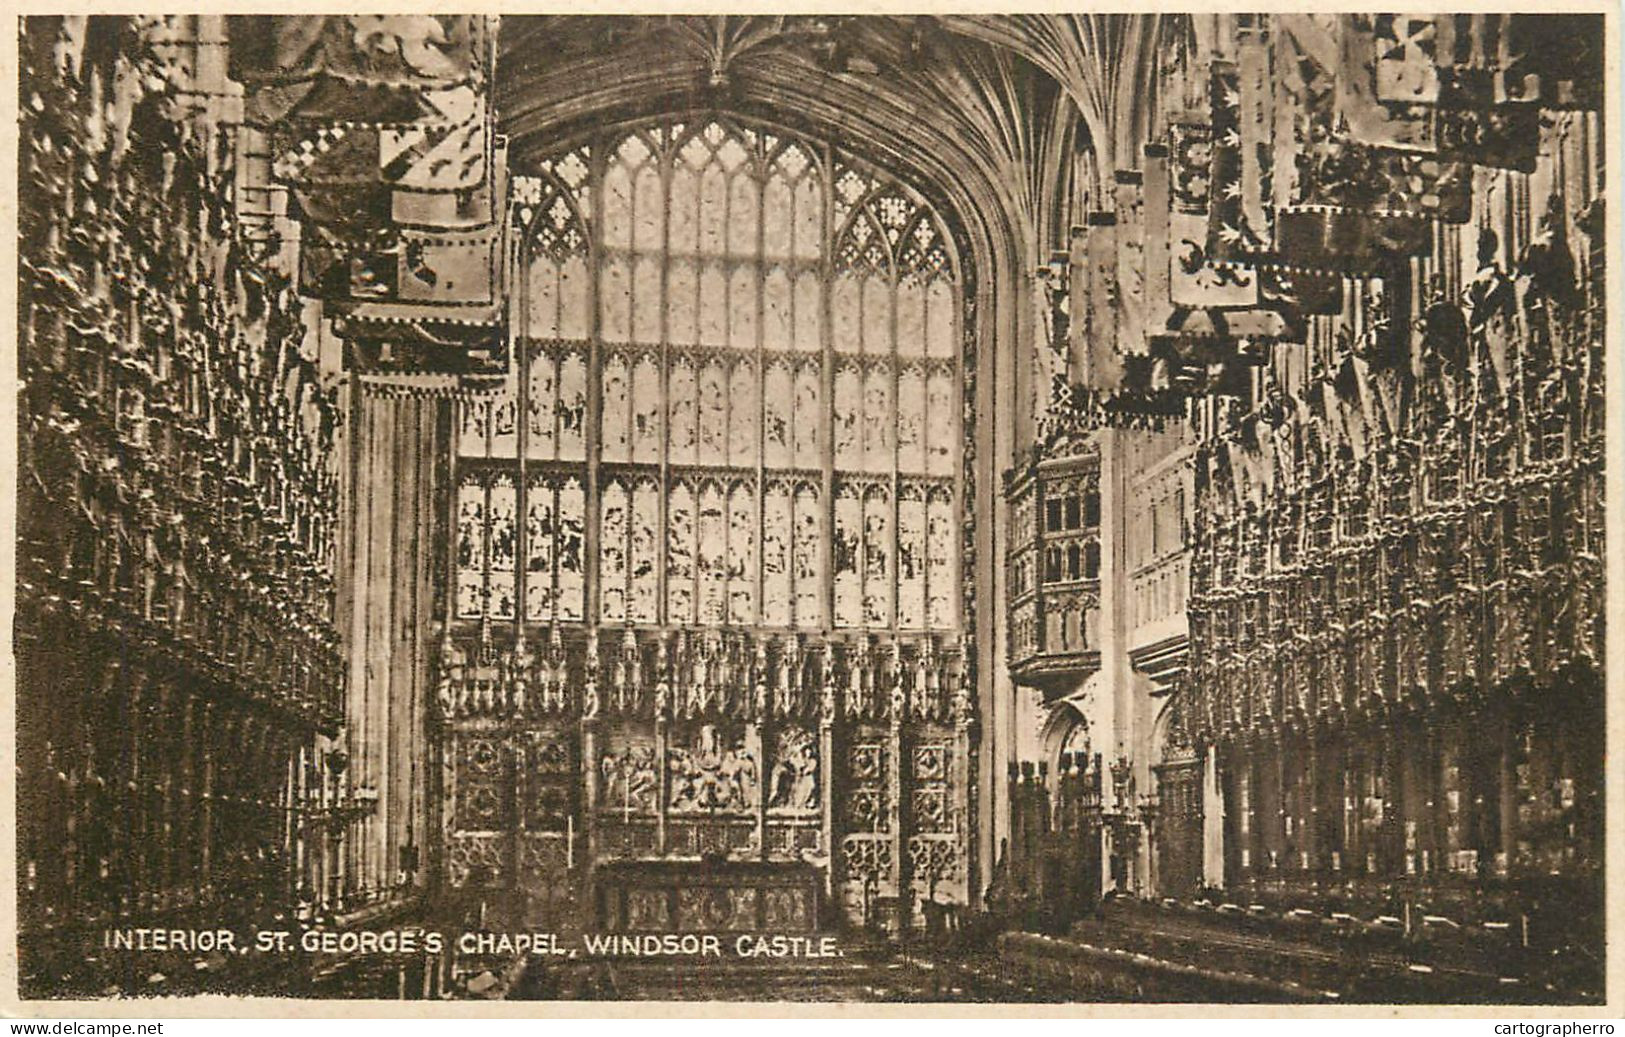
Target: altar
712, 895
834, 777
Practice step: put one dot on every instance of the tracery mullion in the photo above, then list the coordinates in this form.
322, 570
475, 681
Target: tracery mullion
826, 444
764, 168
728, 356
668, 164
892, 421
519, 357
591, 433
955, 481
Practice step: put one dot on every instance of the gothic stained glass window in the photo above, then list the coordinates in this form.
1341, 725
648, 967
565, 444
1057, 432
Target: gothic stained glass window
757, 340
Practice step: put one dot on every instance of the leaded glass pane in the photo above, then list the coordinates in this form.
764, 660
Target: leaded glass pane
713, 414
647, 304
574, 305
879, 418
649, 230
612, 570
572, 406
910, 318
503, 545
744, 203
685, 207
680, 525
646, 424
683, 396
741, 557
778, 402
939, 323
617, 207
778, 217
778, 314
505, 420
742, 304
941, 426
470, 549
541, 408
615, 301
644, 556
877, 549
713, 305
543, 318
617, 409
809, 231
682, 289
572, 522
807, 568
713, 211
541, 528
742, 414
809, 414
911, 421
475, 427
846, 302
712, 557
911, 565
809, 312
776, 598
877, 339
848, 417
940, 590
848, 543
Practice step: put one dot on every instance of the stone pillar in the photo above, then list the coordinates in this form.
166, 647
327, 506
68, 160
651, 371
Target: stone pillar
1309, 806
830, 763
1507, 797
1213, 811
413, 341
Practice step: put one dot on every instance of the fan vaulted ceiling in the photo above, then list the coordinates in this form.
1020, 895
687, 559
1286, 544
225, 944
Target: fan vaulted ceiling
986, 107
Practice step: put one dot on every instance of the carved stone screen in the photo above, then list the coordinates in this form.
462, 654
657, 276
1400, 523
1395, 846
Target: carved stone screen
706, 539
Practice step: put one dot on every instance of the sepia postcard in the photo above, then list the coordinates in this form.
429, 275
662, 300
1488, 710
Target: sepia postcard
774, 511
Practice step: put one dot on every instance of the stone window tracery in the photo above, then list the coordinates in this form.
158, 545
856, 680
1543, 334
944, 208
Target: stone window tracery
756, 342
